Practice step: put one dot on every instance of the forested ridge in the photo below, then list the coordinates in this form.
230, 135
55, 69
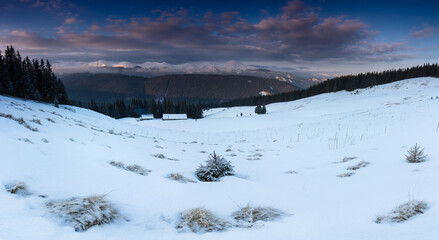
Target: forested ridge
348, 83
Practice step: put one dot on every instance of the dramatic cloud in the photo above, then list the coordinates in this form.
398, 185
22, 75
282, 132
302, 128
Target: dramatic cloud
297, 33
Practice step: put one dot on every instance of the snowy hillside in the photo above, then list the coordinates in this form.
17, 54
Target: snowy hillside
331, 164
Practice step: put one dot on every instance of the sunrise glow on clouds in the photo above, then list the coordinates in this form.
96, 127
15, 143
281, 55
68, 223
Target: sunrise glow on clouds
318, 35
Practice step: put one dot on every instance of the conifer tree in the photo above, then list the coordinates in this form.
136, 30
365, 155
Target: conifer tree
5, 81
258, 109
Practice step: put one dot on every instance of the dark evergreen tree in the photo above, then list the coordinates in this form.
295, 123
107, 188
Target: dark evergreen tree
258, 109
29, 79
5, 81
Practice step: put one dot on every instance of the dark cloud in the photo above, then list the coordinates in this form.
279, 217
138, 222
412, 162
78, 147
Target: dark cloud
297, 33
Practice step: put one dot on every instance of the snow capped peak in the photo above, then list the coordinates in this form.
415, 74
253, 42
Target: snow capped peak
103, 63
125, 65
197, 67
152, 69
99, 63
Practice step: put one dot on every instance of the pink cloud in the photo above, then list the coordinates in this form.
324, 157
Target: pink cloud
297, 33
94, 28
425, 32
70, 20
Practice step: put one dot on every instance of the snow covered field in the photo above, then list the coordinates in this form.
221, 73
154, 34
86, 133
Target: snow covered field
289, 159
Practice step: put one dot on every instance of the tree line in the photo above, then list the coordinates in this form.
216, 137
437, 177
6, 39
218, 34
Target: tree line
348, 83
30, 79
120, 108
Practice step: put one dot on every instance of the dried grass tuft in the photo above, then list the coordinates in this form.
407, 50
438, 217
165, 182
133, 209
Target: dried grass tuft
361, 164
201, 220
132, 168
18, 188
248, 216
404, 212
84, 213
179, 178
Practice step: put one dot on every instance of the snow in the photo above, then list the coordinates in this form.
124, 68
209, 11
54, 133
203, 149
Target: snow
300, 146
174, 116
196, 67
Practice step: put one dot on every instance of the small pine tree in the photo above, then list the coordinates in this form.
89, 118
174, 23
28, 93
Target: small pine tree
216, 167
56, 102
416, 154
258, 109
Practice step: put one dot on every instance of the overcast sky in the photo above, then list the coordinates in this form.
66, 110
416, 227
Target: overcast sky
318, 35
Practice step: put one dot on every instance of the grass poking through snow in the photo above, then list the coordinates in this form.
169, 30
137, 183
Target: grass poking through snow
248, 216
404, 212
20, 121
84, 213
179, 178
201, 220
18, 188
132, 168
361, 164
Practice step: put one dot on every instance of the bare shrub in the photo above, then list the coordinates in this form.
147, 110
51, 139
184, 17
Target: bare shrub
132, 168
84, 213
201, 220
361, 164
216, 167
404, 212
18, 188
415, 155
179, 178
248, 216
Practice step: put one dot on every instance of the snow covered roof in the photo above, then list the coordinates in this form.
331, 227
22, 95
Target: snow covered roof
146, 117
174, 116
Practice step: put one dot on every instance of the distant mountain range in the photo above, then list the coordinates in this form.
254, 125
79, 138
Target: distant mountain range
197, 87
153, 69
